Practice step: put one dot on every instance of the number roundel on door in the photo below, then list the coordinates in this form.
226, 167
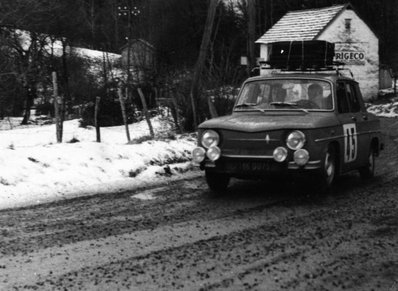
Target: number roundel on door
350, 142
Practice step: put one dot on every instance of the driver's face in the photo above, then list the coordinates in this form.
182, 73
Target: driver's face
313, 93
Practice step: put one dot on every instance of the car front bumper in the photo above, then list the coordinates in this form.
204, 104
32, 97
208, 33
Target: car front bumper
255, 165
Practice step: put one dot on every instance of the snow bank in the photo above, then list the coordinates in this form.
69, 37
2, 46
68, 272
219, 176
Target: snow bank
384, 110
34, 168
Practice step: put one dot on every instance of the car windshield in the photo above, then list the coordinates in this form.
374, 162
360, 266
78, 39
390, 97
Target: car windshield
287, 94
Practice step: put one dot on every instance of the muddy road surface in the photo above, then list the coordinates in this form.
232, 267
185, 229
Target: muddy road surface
261, 236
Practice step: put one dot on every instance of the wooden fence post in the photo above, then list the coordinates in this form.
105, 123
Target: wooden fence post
122, 105
57, 105
175, 106
145, 109
97, 126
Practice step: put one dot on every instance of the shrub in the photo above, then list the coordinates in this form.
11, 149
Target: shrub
45, 109
110, 114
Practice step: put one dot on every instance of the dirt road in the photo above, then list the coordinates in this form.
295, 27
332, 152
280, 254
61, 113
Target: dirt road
262, 236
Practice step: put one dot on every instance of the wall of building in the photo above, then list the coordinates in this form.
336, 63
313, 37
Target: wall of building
358, 47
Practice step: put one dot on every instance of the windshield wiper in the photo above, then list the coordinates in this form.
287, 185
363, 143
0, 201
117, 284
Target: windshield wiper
284, 104
289, 104
245, 105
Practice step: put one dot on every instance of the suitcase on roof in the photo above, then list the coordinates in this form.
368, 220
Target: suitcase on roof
294, 55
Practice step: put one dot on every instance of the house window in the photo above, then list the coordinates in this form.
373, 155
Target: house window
348, 23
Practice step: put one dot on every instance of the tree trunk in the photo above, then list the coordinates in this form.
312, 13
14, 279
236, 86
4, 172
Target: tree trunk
194, 93
175, 115
212, 107
146, 113
28, 104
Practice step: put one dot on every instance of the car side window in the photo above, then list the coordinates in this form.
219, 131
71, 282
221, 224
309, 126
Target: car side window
342, 102
359, 97
352, 98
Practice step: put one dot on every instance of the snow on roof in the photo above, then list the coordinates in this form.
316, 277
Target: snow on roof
56, 45
93, 54
302, 24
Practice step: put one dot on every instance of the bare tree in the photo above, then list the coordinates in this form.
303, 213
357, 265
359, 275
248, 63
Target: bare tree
194, 93
28, 53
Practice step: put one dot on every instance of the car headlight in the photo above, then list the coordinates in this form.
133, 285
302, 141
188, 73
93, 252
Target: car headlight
295, 140
280, 154
210, 138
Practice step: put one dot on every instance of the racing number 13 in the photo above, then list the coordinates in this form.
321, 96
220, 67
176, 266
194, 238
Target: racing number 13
350, 142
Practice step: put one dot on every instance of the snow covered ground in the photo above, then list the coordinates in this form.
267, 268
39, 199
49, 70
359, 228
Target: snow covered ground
385, 110
35, 169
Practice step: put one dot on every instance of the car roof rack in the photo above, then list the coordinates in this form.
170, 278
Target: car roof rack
337, 67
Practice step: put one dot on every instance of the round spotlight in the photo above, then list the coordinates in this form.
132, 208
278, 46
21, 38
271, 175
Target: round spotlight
301, 157
280, 154
198, 155
213, 153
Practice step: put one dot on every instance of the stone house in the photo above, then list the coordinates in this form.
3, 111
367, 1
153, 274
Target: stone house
356, 44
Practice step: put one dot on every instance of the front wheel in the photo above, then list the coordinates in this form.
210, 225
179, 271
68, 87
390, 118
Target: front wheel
328, 170
217, 182
367, 172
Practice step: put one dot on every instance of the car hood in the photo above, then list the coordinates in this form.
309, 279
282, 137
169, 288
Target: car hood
260, 121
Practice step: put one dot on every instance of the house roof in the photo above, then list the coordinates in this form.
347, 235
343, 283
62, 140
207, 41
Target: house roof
302, 24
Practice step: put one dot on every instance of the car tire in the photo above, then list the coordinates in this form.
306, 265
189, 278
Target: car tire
328, 171
217, 182
367, 172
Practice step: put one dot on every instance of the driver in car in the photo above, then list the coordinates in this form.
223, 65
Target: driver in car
315, 95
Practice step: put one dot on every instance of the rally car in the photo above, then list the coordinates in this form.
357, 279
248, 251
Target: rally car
291, 122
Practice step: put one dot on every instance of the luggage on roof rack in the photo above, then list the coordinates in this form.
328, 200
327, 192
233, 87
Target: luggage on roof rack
301, 55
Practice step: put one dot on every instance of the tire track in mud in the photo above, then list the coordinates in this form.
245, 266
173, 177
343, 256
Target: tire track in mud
58, 260
30, 229
292, 249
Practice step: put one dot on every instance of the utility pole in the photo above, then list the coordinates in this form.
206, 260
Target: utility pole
115, 16
92, 24
251, 8
128, 10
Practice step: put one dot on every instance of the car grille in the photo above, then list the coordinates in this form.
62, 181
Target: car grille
250, 144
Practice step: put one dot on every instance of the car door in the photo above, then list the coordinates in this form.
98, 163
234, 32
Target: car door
351, 120
362, 125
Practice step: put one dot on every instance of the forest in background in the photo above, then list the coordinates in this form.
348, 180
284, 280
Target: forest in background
176, 29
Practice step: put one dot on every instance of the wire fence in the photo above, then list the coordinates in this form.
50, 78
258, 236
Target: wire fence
10, 123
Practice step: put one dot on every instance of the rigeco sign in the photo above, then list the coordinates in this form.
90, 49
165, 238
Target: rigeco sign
350, 57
